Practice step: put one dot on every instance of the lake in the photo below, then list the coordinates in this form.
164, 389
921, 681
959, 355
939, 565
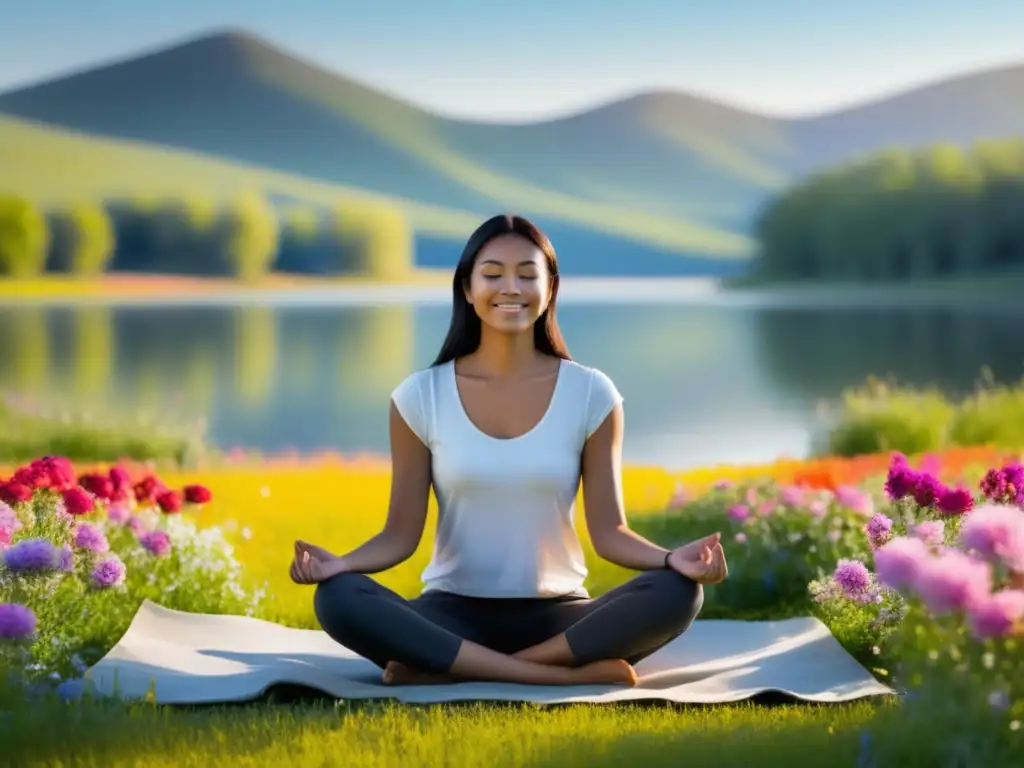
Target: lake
707, 376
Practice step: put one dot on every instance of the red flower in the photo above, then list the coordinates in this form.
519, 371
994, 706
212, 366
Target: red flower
48, 472
121, 484
78, 501
147, 489
169, 501
197, 494
98, 485
14, 493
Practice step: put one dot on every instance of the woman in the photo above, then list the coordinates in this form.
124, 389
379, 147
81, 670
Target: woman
505, 425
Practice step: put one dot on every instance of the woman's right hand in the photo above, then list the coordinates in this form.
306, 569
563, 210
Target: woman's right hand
313, 564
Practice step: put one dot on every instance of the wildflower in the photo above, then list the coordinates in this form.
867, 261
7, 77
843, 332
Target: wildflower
766, 508
135, 525
14, 493
32, 555
817, 508
955, 501
157, 543
17, 621
879, 529
78, 501
194, 492
723, 485
995, 487
91, 538
953, 581
997, 614
996, 530
739, 512
931, 532
898, 561
147, 489
853, 576
169, 502
740, 538
109, 572
792, 496
118, 512
99, 485
854, 500
901, 479
48, 472
927, 489
67, 559
9, 524
121, 484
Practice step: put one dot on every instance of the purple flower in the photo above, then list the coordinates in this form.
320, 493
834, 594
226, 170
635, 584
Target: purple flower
900, 482
67, 559
953, 581
996, 530
927, 490
739, 512
16, 621
135, 525
32, 555
853, 576
118, 512
108, 572
156, 542
955, 501
997, 614
91, 538
898, 562
931, 532
879, 529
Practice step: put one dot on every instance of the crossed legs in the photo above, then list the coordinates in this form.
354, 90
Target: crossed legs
550, 642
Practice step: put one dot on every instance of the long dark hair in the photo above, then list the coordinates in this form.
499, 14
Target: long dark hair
464, 332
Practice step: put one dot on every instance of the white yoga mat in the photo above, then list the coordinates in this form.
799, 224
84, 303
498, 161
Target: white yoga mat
188, 658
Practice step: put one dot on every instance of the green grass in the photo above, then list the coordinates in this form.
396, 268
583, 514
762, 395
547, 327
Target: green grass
375, 736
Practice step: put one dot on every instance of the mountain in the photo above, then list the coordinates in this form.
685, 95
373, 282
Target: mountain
673, 171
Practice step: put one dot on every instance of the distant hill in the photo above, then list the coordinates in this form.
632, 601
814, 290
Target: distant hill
672, 171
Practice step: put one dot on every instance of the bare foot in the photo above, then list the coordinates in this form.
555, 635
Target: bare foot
605, 672
399, 674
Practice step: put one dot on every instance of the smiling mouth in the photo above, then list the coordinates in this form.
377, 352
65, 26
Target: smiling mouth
510, 307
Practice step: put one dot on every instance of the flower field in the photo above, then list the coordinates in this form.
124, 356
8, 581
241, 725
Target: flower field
917, 566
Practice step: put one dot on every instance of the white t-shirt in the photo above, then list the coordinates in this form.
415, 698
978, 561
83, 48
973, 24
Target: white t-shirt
506, 508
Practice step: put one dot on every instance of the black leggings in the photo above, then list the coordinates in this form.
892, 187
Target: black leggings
629, 622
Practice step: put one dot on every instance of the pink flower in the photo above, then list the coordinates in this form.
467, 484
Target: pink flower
766, 508
15, 493
901, 479
854, 500
158, 543
739, 512
118, 512
898, 562
879, 529
997, 614
135, 525
740, 538
927, 489
78, 501
792, 496
931, 532
9, 524
996, 530
953, 581
817, 508
169, 502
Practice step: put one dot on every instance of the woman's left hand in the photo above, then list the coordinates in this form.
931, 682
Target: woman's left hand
702, 560
313, 565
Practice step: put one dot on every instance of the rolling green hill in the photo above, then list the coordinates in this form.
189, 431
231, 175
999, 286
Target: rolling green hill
667, 169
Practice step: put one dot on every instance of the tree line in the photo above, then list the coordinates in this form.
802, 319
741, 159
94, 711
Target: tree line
900, 215
246, 236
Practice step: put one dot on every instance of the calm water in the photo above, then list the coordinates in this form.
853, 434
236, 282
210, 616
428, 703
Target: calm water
705, 380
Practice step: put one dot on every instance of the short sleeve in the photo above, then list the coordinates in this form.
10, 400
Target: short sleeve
410, 400
604, 396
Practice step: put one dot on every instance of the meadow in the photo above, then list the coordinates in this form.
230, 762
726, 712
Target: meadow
217, 539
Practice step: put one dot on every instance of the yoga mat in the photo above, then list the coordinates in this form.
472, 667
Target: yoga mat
189, 658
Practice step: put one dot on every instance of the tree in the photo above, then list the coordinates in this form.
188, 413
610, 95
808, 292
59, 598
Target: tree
24, 238
251, 236
83, 240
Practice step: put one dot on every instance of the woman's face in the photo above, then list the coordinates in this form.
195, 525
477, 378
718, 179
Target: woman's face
509, 286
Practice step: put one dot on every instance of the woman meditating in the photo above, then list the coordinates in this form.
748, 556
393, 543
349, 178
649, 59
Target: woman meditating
504, 425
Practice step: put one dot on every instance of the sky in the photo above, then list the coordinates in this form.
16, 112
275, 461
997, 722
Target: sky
520, 60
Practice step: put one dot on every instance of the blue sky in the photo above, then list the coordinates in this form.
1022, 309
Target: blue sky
526, 59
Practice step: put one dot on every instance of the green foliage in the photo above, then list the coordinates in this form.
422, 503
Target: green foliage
83, 240
881, 417
26, 434
374, 239
24, 238
898, 215
251, 236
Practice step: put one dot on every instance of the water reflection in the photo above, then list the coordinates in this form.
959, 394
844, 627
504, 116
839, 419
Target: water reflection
703, 383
